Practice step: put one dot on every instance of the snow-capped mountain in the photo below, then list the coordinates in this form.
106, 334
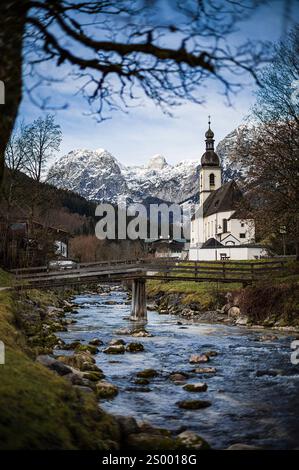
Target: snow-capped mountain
227, 150
97, 175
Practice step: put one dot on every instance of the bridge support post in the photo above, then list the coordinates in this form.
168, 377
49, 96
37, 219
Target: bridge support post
138, 310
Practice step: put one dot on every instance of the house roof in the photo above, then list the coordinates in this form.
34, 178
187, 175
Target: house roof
212, 243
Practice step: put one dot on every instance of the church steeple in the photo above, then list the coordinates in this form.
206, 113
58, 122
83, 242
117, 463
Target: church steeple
210, 172
210, 158
210, 137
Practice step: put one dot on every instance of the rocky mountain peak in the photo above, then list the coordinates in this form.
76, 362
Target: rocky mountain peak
157, 162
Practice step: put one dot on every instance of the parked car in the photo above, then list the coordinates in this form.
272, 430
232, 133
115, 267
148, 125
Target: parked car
61, 265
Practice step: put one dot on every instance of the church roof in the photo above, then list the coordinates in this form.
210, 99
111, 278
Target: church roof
225, 198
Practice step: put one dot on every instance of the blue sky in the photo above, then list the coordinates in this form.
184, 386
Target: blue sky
134, 137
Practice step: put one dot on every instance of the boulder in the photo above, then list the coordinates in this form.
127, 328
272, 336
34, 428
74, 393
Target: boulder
76, 379
128, 425
96, 342
147, 373
191, 440
116, 349
123, 331
141, 381
234, 312
268, 338
198, 358
135, 347
240, 446
211, 353
116, 342
94, 376
82, 361
105, 389
141, 334
193, 404
151, 442
57, 366
204, 370
87, 347
72, 345
197, 387
177, 377
54, 311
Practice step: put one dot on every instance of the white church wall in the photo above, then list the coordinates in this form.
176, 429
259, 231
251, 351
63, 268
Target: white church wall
235, 253
213, 222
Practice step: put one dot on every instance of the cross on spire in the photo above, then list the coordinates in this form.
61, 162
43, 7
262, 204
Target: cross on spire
209, 121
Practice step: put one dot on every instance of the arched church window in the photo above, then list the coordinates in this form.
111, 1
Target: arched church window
212, 180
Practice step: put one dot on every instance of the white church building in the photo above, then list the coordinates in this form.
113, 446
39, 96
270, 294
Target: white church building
217, 231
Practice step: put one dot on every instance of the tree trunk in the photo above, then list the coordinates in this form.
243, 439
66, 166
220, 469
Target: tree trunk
13, 17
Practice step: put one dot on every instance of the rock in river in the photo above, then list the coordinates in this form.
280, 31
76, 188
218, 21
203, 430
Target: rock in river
87, 348
191, 440
193, 404
96, 342
204, 370
135, 347
147, 373
141, 334
197, 387
198, 358
178, 377
116, 342
117, 349
141, 381
211, 353
105, 389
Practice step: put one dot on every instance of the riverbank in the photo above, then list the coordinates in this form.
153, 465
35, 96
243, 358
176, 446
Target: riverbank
271, 304
225, 383
38, 408
50, 390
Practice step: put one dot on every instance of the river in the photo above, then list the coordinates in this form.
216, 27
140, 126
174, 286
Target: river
256, 410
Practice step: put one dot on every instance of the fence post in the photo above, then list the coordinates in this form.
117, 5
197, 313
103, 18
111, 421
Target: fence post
223, 269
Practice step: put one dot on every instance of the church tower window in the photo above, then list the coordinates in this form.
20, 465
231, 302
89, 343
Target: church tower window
212, 180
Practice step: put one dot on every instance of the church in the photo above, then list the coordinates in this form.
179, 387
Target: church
217, 230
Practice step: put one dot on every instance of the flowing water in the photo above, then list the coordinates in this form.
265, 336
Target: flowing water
261, 411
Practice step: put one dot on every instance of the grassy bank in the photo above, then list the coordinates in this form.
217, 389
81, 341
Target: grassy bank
38, 409
268, 302
208, 295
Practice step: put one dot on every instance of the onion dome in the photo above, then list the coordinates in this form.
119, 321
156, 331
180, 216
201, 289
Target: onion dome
210, 157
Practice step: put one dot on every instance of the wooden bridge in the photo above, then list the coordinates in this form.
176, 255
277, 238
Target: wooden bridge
138, 271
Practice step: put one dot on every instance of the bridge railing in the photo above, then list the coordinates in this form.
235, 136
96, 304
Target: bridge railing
153, 268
